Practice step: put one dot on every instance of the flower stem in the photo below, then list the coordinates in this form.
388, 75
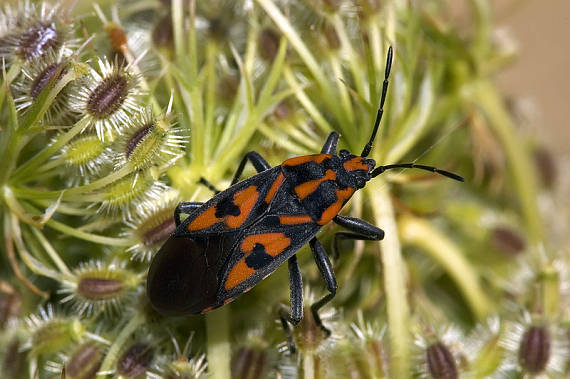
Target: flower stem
395, 275
219, 354
420, 233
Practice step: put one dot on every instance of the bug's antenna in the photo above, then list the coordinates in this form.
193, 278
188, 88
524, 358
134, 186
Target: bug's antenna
380, 169
380, 112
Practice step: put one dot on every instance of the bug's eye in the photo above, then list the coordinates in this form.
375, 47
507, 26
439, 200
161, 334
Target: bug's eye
344, 153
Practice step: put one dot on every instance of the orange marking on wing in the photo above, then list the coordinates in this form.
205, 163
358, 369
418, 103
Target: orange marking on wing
355, 164
245, 200
274, 243
240, 272
204, 219
317, 158
274, 187
208, 309
305, 189
342, 196
298, 219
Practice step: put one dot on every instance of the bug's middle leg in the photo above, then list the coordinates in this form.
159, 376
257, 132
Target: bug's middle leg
358, 230
295, 314
326, 270
186, 208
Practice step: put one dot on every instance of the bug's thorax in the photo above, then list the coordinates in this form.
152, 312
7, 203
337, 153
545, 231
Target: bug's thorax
324, 182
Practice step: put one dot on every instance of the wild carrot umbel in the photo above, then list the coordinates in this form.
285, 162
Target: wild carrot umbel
111, 115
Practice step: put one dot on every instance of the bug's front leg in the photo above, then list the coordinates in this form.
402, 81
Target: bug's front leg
326, 270
186, 208
295, 314
256, 160
330, 144
358, 230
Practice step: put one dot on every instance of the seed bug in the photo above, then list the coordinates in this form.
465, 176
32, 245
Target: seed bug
233, 241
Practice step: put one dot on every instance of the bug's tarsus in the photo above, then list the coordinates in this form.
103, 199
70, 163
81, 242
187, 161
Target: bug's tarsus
380, 111
380, 169
284, 318
256, 160
186, 208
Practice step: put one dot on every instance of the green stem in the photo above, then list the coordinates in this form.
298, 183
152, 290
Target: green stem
219, 352
395, 275
420, 233
521, 168
25, 170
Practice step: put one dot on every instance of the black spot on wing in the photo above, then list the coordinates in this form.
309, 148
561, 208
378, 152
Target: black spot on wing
258, 258
226, 207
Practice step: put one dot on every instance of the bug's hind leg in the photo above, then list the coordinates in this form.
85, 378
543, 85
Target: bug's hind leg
186, 208
358, 230
295, 314
256, 160
326, 270
330, 144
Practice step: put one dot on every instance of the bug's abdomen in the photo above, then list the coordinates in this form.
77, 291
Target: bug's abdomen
183, 276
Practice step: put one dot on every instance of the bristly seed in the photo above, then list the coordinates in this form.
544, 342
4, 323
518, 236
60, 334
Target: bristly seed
37, 40
43, 79
108, 96
137, 137
98, 288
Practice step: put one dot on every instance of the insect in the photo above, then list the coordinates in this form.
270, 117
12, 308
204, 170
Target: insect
233, 241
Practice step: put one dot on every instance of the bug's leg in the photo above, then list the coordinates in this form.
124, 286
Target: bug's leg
358, 229
256, 160
295, 315
330, 144
208, 185
326, 270
184, 207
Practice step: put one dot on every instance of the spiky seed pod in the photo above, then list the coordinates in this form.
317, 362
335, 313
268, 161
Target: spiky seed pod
182, 366
534, 349
152, 225
50, 334
10, 303
98, 286
508, 241
163, 33
84, 361
37, 73
123, 195
250, 363
108, 97
13, 359
440, 352
371, 356
331, 37
546, 166
135, 360
86, 157
268, 44
38, 29
148, 141
440, 362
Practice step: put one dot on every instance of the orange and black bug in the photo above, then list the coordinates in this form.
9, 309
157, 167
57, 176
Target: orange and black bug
230, 243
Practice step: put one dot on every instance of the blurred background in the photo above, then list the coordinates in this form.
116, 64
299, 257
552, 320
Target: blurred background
540, 74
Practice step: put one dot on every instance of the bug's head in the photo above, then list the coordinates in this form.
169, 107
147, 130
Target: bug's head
358, 169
